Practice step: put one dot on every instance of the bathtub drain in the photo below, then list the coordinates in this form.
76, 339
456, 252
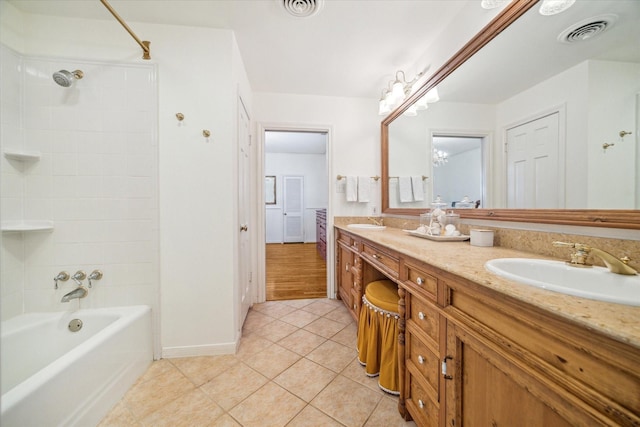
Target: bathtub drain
75, 325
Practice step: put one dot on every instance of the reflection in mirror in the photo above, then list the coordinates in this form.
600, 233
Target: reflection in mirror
457, 169
530, 71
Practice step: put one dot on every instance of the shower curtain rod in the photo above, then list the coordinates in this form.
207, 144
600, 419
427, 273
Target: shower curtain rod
143, 44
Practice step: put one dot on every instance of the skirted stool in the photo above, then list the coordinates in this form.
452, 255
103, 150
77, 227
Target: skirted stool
378, 334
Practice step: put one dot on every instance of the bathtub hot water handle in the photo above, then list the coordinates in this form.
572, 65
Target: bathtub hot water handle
63, 276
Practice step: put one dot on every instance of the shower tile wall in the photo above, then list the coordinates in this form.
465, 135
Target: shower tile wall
96, 180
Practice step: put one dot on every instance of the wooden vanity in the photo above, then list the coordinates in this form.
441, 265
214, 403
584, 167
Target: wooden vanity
476, 349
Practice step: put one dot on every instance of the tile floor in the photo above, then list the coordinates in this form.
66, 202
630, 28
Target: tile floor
296, 366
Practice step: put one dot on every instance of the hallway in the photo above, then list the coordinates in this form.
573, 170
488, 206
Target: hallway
295, 271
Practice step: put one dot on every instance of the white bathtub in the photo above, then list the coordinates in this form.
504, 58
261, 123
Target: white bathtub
54, 377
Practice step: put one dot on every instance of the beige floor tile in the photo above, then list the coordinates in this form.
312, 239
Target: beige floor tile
305, 379
299, 318
201, 369
191, 409
225, 421
355, 371
347, 336
251, 344
347, 401
256, 320
324, 327
311, 417
271, 406
299, 303
302, 342
386, 414
275, 309
119, 416
232, 387
276, 330
271, 361
319, 307
158, 367
148, 396
332, 355
341, 315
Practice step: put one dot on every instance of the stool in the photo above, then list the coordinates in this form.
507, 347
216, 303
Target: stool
378, 334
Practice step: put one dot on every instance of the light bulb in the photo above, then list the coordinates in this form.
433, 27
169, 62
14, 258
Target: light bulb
553, 7
432, 96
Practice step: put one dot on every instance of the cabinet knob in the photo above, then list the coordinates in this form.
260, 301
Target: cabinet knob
421, 316
355, 307
420, 360
420, 403
376, 256
346, 268
420, 281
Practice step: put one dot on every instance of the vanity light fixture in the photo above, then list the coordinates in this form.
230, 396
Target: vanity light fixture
553, 7
492, 4
397, 92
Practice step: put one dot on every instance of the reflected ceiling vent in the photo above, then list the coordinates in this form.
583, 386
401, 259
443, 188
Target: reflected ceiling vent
302, 8
587, 29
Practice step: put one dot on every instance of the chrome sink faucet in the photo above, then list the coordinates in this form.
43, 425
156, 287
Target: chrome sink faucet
579, 258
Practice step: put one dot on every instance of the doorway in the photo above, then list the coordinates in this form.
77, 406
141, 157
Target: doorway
295, 163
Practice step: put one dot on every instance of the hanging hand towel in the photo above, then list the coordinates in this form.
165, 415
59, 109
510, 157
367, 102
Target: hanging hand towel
352, 189
364, 184
418, 188
404, 184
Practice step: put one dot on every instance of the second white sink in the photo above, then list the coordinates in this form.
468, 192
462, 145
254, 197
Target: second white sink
595, 283
367, 226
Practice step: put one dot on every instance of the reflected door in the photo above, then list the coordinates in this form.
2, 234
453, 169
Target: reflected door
533, 168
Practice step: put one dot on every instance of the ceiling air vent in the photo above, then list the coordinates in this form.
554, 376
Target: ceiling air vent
587, 29
302, 8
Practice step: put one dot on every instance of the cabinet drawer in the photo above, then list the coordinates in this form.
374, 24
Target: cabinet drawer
421, 281
344, 238
425, 317
381, 259
427, 363
423, 410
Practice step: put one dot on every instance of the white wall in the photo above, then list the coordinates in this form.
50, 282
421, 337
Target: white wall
200, 74
313, 167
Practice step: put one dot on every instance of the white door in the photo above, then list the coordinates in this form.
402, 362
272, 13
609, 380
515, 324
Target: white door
533, 167
245, 295
293, 193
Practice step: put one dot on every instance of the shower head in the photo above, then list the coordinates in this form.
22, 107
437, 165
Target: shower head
67, 78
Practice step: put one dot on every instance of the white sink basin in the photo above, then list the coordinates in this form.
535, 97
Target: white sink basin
367, 226
595, 283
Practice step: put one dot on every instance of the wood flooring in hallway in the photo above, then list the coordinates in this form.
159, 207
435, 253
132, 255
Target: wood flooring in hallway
295, 271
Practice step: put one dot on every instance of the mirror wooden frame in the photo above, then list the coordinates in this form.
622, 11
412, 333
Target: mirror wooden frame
627, 219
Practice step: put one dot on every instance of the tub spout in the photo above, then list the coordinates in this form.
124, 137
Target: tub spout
79, 292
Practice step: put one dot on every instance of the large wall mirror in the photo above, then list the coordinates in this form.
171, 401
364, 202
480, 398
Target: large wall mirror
524, 121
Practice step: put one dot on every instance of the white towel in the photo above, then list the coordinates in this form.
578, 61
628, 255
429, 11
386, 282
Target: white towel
418, 188
364, 184
404, 184
352, 189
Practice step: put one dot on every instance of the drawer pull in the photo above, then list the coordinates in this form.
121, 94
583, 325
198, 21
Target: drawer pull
421, 316
444, 368
355, 307
347, 267
376, 256
420, 403
420, 360
420, 281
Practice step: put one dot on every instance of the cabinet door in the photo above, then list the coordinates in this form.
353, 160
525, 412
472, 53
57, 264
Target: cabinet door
344, 275
484, 388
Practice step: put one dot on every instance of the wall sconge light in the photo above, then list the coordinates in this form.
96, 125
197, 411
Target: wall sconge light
397, 92
553, 7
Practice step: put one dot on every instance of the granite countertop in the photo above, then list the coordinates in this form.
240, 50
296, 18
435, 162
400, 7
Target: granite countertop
620, 322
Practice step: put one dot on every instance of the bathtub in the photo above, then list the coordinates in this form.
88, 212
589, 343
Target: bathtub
54, 377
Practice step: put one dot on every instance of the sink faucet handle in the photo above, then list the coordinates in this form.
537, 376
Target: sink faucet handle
579, 257
95, 275
79, 276
63, 276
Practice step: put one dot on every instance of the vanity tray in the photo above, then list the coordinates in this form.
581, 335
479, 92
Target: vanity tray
460, 238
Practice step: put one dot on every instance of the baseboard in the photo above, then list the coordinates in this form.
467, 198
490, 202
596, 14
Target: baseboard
199, 350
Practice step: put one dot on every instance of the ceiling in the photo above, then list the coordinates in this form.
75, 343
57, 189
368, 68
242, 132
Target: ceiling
350, 48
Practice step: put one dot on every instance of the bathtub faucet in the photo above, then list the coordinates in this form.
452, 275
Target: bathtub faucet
79, 292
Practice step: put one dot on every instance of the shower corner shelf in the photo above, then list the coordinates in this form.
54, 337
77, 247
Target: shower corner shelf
17, 226
22, 155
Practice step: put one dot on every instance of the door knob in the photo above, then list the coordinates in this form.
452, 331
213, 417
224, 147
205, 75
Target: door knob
244, 228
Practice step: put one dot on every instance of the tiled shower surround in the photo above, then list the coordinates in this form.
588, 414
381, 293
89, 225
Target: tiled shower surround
96, 180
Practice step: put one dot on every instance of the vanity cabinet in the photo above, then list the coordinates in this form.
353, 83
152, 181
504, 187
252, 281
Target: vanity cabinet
349, 272
470, 355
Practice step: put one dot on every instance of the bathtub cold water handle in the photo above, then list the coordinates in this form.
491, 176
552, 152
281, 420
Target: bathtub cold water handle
63, 276
95, 275
79, 277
